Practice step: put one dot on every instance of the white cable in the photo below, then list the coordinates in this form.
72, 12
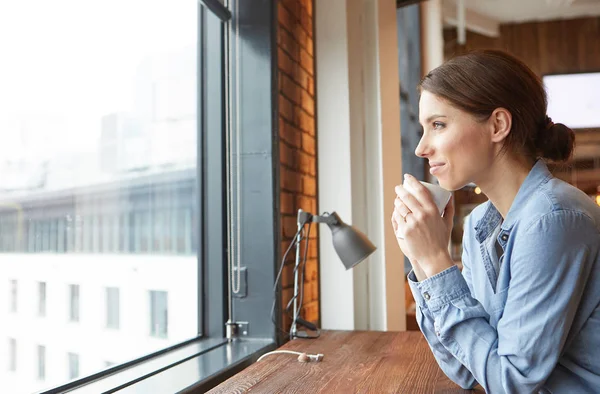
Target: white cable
303, 357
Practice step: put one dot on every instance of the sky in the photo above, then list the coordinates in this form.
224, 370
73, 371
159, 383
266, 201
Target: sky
65, 63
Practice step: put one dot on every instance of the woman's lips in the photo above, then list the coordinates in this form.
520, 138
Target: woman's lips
435, 167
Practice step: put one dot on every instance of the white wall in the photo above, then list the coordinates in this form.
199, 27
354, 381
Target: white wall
359, 158
134, 275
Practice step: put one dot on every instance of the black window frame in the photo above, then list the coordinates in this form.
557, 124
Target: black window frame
201, 363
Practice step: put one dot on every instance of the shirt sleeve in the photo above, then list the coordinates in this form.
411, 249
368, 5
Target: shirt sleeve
549, 264
451, 366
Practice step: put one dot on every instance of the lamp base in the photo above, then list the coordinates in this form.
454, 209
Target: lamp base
307, 334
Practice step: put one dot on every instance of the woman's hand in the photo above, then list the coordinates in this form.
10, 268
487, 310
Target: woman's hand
422, 234
398, 225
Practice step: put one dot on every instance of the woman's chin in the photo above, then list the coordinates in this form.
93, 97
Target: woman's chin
449, 184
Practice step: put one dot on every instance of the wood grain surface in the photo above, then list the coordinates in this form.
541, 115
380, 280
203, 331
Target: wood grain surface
354, 362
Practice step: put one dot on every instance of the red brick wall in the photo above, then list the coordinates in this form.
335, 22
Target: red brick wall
297, 143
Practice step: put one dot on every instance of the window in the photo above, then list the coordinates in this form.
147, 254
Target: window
74, 303
73, 366
12, 354
112, 307
13, 296
114, 174
99, 167
159, 314
41, 362
41, 299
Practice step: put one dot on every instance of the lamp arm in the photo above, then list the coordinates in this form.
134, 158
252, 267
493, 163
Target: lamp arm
327, 219
306, 217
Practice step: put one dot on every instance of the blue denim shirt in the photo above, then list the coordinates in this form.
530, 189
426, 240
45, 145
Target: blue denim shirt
525, 319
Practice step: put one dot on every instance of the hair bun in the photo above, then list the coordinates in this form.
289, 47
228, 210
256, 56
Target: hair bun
556, 142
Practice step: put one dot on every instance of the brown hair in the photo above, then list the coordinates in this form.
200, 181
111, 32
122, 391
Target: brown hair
481, 81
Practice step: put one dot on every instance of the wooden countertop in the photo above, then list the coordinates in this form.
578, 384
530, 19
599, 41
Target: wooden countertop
354, 362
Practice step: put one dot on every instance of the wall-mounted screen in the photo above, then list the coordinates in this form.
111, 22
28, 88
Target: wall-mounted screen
574, 99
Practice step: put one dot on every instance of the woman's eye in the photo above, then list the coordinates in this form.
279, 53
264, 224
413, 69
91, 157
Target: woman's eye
438, 125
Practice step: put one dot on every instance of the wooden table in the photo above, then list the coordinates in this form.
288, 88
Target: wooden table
354, 362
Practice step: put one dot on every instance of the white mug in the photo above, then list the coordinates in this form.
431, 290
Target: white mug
440, 195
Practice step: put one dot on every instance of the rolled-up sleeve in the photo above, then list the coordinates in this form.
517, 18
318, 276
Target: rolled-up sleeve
549, 264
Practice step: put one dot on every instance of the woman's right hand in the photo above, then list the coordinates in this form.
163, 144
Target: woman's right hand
398, 224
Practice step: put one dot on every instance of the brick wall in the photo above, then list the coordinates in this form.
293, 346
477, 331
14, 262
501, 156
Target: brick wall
297, 143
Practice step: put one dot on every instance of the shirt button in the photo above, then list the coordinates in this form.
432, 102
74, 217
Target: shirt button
504, 237
437, 333
426, 296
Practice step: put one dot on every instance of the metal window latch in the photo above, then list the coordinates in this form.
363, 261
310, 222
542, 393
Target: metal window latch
236, 329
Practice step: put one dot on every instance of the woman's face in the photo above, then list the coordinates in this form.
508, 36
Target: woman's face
459, 148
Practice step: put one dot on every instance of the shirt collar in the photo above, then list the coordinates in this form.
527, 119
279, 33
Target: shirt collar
538, 175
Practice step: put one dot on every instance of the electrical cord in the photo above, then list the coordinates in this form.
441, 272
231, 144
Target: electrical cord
301, 301
302, 357
294, 242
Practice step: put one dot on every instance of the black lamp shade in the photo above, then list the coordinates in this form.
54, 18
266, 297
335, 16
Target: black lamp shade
350, 244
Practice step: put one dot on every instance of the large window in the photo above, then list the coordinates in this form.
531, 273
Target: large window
136, 175
98, 182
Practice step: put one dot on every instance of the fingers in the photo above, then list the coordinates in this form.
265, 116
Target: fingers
408, 199
400, 207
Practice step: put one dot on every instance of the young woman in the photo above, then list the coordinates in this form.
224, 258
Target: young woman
523, 316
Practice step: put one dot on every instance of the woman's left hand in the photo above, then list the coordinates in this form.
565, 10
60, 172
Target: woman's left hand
425, 232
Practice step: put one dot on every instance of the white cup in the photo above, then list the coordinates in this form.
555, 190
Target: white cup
440, 196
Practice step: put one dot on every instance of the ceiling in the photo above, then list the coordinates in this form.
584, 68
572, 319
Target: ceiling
507, 11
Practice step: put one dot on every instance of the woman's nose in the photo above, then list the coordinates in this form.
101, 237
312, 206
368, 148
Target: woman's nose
423, 148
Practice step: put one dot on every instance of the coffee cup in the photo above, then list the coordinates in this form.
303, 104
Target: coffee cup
440, 195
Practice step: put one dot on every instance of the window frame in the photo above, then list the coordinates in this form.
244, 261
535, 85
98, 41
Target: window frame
259, 114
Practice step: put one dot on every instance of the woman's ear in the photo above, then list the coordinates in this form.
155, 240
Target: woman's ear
501, 122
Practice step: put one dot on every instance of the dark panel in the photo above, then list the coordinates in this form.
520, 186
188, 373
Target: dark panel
253, 101
214, 275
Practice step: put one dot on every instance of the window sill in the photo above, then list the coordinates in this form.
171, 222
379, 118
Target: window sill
195, 366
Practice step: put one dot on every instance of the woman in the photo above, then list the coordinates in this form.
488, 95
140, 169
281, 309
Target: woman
523, 316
